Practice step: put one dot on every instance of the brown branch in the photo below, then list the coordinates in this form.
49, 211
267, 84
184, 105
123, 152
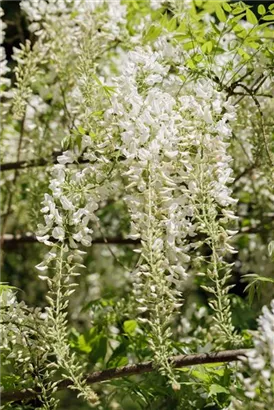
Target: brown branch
8, 166
40, 162
245, 172
134, 369
11, 241
261, 116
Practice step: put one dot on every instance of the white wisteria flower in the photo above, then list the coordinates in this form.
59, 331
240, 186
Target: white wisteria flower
256, 373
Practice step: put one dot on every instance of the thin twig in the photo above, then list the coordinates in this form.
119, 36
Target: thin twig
40, 162
261, 116
244, 172
106, 241
13, 182
8, 166
10, 241
134, 369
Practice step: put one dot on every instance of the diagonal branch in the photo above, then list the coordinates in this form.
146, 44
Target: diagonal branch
134, 369
8, 166
40, 162
10, 241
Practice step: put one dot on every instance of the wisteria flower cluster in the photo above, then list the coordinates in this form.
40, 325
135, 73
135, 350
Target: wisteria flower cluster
256, 372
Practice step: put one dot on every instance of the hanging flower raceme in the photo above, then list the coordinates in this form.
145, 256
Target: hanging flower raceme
74, 195
23, 333
255, 375
69, 211
174, 140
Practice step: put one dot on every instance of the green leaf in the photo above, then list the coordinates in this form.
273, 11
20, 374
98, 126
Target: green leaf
271, 7
66, 143
98, 348
74, 14
9, 381
215, 389
243, 54
207, 47
268, 18
183, 369
83, 345
4, 287
250, 16
261, 9
172, 24
237, 28
237, 18
256, 277
130, 327
118, 357
98, 113
78, 141
220, 13
92, 135
164, 20
215, 28
189, 45
213, 365
182, 27
217, 372
251, 293
239, 9
198, 57
190, 64
253, 44
180, 37
97, 79
108, 90
247, 336
201, 375
242, 34
226, 7
152, 33
81, 130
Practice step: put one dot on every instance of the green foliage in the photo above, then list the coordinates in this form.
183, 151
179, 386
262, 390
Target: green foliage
255, 283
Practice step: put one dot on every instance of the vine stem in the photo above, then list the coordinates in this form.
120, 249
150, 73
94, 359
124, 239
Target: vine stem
180, 361
15, 175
